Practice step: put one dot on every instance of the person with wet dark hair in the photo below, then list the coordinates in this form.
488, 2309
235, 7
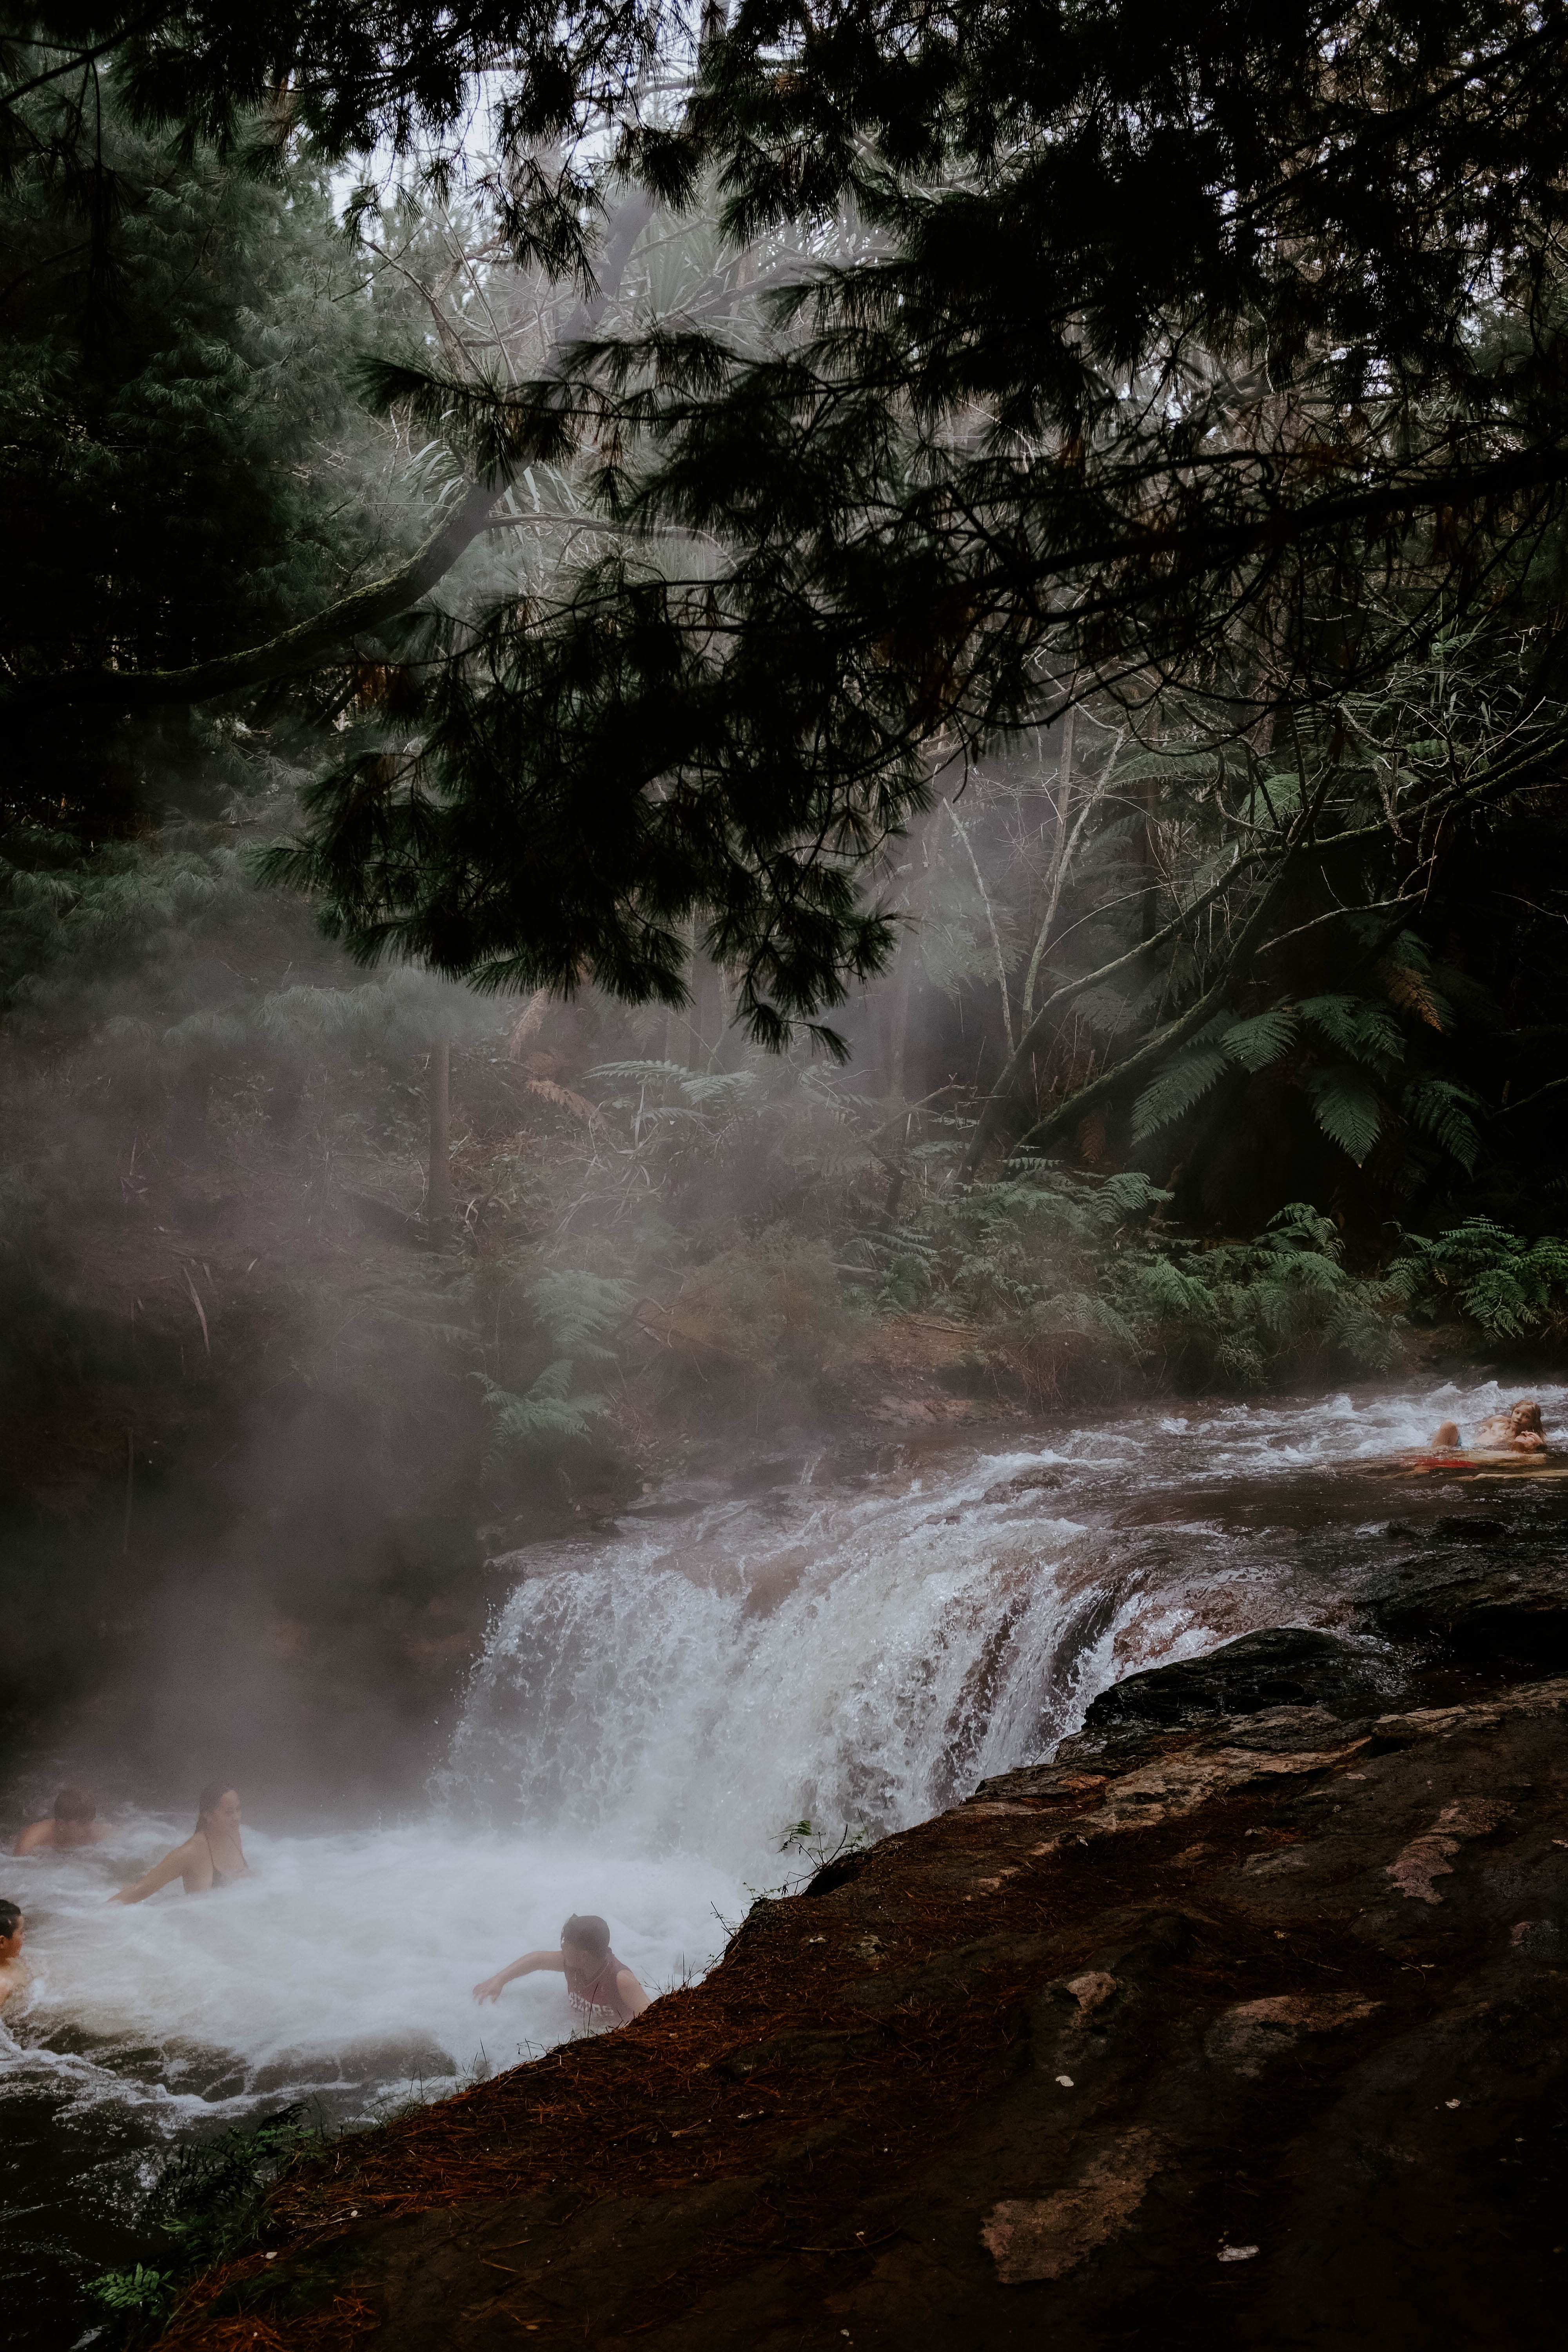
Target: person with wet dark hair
74, 1821
599, 1986
14, 1974
211, 1856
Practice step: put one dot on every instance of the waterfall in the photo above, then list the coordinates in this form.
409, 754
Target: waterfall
861, 1657
852, 1662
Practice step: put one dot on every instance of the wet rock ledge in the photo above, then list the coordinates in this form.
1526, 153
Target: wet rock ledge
1242, 2022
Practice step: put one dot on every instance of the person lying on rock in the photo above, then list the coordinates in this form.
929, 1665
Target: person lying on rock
1517, 1430
14, 1974
74, 1821
598, 1985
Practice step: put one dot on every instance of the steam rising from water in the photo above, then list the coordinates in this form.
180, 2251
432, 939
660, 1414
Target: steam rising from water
656, 1708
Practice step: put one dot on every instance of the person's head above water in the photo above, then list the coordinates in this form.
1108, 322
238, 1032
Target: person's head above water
1526, 1416
218, 1808
586, 1934
76, 1811
14, 1973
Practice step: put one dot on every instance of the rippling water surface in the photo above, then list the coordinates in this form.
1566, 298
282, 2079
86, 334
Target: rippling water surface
849, 1640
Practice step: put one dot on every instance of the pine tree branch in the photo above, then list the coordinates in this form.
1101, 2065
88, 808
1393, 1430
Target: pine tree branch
306, 646
79, 58
312, 642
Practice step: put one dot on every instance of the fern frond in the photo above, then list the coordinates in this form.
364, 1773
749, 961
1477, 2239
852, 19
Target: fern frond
578, 1309
1366, 1031
1413, 991
1175, 1090
1346, 1107
1264, 1039
1441, 1109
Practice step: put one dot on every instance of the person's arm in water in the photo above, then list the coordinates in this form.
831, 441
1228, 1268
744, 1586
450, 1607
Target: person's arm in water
175, 1865
631, 1992
40, 1834
493, 1987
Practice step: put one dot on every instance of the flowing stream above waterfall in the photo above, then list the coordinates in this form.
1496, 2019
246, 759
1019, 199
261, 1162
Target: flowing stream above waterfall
816, 1639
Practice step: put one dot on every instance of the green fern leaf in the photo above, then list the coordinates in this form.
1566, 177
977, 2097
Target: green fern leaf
1368, 1033
1441, 1109
1346, 1108
1175, 1090
577, 1309
1257, 1043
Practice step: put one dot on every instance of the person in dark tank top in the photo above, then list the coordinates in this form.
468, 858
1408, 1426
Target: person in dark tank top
212, 1856
600, 1987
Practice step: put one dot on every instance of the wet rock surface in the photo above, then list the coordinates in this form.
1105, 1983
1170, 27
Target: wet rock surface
1243, 2022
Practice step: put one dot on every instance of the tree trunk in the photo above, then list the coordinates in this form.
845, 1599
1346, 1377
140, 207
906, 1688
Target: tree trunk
681, 1021
438, 1191
899, 1020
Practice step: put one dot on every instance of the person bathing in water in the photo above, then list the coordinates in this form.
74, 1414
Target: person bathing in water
1517, 1430
211, 1856
74, 1821
598, 1985
16, 1976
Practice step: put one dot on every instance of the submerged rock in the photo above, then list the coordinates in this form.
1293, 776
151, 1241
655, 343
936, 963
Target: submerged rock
1244, 2021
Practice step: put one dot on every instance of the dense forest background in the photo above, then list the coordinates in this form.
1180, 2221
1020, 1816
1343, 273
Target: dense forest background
715, 726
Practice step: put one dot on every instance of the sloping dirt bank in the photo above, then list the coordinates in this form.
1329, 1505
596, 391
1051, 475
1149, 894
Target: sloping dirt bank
1245, 2021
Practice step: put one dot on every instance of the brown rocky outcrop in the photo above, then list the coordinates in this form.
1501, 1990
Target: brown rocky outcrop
1242, 2023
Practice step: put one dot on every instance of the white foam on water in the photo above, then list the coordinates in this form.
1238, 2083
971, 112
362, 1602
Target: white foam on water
343, 1965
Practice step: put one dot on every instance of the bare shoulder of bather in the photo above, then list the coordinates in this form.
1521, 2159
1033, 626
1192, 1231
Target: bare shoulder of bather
631, 1992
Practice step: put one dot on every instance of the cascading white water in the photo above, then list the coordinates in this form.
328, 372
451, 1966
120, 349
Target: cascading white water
655, 1709
861, 1658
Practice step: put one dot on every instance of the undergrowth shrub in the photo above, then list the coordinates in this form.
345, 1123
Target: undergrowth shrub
577, 1313
767, 1310
1484, 1273
1072, 1283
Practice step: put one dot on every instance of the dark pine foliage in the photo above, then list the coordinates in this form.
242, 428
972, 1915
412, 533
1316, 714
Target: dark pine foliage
1215, 347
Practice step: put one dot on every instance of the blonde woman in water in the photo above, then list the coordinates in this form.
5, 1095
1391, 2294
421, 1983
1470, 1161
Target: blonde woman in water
1516, 1431
211, 1856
